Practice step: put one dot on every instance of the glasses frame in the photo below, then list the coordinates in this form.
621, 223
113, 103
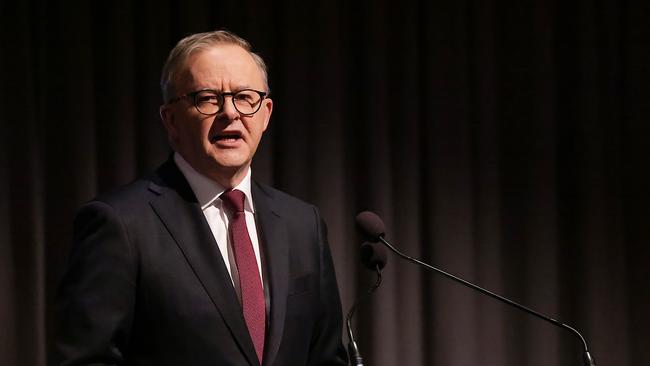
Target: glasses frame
222, 96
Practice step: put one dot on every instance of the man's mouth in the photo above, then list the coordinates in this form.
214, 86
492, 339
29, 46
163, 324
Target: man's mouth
226, 137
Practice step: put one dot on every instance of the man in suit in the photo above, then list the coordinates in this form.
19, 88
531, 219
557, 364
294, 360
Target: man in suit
199, 264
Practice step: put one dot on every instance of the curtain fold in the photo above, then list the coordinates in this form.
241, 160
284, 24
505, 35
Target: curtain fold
507, 145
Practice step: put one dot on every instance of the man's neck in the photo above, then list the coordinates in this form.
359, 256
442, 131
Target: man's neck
226, 177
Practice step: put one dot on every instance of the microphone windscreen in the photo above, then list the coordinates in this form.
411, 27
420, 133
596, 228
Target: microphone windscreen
373, 255
370, 225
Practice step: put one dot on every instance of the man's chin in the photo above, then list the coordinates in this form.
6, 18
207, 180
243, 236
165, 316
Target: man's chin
230, 158
230, 164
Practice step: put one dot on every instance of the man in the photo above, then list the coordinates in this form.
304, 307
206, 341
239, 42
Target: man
199, 264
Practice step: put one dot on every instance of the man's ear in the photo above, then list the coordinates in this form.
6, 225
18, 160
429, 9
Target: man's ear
267, 109
167, 117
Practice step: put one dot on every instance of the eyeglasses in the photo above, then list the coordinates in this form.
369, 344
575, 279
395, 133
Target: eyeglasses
210, 102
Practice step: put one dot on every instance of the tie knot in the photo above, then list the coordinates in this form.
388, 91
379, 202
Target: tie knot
234, 200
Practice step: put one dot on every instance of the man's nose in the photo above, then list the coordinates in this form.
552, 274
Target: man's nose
228, 109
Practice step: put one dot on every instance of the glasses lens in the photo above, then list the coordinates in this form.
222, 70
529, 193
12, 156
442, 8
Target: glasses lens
247, 101
207, 102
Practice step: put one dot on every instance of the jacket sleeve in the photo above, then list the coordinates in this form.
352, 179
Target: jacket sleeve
327, 346
95, 299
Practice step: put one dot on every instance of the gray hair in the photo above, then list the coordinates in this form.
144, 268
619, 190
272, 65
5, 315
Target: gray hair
198, 42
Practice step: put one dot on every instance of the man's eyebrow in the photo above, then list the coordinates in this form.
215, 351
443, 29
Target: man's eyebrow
242, 87
238, 88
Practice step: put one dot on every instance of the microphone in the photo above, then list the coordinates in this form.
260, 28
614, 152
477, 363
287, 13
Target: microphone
372, 227
373, 256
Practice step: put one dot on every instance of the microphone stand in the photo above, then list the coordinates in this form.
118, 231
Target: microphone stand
353, 349
587, 359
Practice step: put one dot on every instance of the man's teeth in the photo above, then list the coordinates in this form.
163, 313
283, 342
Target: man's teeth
227, 137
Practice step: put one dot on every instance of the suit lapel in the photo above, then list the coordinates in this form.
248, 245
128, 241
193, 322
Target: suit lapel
180, 213
276, 252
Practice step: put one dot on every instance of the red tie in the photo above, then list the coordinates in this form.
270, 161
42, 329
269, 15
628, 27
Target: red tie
252, 293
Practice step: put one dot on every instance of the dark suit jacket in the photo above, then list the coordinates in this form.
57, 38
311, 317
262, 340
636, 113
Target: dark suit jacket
146, 283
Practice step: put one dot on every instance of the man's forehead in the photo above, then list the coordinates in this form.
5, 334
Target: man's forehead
228, 57
220, 54
219, 57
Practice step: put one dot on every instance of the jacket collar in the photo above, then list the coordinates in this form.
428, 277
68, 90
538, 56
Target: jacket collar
180, 212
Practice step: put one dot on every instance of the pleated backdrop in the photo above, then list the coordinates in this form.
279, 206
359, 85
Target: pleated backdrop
505, 142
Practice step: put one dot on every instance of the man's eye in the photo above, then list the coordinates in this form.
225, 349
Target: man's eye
207, 99
245, 97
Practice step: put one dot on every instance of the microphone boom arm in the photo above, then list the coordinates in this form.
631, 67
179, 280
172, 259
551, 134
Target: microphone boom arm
587, 359
353, 349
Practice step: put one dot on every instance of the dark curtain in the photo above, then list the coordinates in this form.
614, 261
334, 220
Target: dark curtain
503, 141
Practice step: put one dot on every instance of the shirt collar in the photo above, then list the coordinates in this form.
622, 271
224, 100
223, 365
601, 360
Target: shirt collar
207, 190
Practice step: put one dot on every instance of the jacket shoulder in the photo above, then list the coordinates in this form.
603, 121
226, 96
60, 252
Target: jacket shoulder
133, 194
282, 199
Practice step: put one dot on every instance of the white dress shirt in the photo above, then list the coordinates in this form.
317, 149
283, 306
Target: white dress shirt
207, 193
